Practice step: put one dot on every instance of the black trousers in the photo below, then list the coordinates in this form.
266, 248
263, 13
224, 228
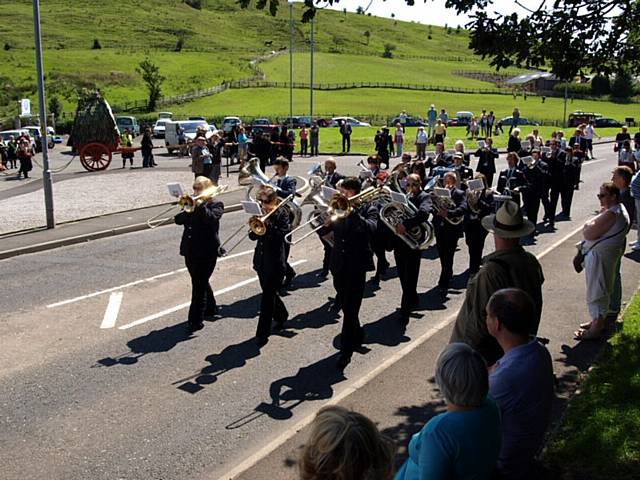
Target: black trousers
446, 243
327, 254
290, 273
474, 236
531, 206
314, 148
263, 162
202, 300
304, 143
566, 197
349, 285
554, 195
346, 143
408, 265
489, 178
271, 306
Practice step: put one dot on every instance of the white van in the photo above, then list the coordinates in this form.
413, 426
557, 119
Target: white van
189, 127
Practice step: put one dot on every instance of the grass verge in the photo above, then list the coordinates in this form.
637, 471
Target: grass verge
600, 436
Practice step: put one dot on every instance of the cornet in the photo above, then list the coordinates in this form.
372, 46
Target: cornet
188, 203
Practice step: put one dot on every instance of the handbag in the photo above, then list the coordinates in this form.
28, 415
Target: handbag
578, 259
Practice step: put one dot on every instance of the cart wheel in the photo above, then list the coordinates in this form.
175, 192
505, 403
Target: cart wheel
95, 156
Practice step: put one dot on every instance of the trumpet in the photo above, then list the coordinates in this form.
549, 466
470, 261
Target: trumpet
257, 226
188, 203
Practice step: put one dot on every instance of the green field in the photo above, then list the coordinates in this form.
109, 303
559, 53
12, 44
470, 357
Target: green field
339, 68
270, 102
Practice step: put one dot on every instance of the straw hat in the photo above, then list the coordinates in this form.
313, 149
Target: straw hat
508, 222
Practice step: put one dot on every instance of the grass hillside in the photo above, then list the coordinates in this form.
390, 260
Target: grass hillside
218, 43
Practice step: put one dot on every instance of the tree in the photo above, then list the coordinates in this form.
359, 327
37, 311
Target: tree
360, 10
367, 34
623, 86
153, 80
179, 44
458, 29
55, 107
96, 44
393, 15
7, 46
388, 50
600, 85
566, 35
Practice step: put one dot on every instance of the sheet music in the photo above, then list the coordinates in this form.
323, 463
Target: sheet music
252, 208
328, 192
481, 144
528, 160
399, 198
525, 144
442, 192
175, 189
476, 184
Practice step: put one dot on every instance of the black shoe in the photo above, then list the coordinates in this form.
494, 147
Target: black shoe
322, 273
403, 318
278, 325
261, 341
194, 327
288, 279
375, 280
213, 315
343, 360
335, 307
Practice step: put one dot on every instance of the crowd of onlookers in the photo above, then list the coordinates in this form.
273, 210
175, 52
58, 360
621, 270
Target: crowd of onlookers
18, 153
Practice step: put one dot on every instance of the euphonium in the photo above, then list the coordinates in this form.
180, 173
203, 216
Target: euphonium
341, 206
446, 203
417, 238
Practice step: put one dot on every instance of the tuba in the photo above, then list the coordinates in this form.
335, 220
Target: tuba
445, 203
474, 193
417, 238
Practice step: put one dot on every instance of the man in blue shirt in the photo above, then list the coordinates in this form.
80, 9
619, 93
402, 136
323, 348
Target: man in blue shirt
521, 382
432, 115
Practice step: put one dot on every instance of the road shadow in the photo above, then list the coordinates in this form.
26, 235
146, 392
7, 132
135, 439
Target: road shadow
157, 341
314, 319
432, 299
232, 357
245, 308
633, 255
311, 383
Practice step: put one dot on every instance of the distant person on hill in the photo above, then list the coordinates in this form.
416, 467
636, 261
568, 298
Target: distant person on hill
521, 382
432, 115
314, 136
345, 131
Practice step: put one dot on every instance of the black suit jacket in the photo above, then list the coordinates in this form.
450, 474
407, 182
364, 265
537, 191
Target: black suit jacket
423, 204
556, 167
486, 160
286, 186
517, 179
443, 226
200, 236
514, 144
331, 180
269, 257
352, 241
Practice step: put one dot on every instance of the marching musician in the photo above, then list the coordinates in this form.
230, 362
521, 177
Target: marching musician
447, 233
199, 247
285, 186
537, 190
441, 159
408, 259
573, 160
270, 262
487, 156
351, 258
418, 167
332, 177
511, 180
262, 149
464, 173
579, 144
382, 240
384, 145
474, 233
556, 160
458, 147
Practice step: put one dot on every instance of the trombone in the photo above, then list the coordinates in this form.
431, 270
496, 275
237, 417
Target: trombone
188, 203
257, 226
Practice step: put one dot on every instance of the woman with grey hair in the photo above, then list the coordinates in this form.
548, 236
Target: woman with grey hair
464, 441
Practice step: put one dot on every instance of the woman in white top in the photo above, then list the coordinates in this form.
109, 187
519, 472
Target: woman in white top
603, 246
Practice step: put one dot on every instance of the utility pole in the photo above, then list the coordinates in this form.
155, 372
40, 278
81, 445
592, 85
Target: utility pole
566, 93
291, 61
46, 172
311, 76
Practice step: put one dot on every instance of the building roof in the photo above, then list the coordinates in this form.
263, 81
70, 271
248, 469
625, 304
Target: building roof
529, 77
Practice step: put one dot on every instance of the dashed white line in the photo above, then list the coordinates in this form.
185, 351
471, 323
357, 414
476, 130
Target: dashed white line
185, 305
137, 282
113, 308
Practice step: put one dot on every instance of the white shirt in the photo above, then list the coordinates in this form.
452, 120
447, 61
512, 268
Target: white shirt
589, 132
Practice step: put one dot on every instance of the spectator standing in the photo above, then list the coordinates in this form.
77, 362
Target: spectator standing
521, 382
626, 158
589, 133
515, 119
432, 115
439, 132
275, 145
12, 152
421, 143
127, 141
603, 246
491, 120
509, 266
314, 136
514, 144
291, 144
403, 121
216, 148
622, 136
262, 149
463, 442
483, 123
3, 154
622, 179
444, 117
345, 445
147, 149
304, 141
25, 156
636, 140
635, 191
345, 131
182, 140
398, 139
243, 146
201, 162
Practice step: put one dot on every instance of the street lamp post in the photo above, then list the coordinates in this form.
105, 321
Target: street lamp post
566, 93
291, 61
46, 172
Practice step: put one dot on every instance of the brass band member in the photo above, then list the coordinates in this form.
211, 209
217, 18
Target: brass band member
285, 186
556, 160
269, 260
408, 259
447, 234
199, 247
487, 156
331, 179
351, 258
537, 190
479, 205
511, 180
382, 240
464, 173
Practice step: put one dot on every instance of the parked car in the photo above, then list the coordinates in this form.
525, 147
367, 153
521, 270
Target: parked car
198, 118
354, 122
168, 115
508, 121
128, 122
462, 119
579, 117
228, 123
261, 121
159, 127
604, 122
300, 121
189, 127
7, 134
34, 132
410, 122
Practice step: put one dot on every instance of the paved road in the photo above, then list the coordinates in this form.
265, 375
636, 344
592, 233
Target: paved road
86, 393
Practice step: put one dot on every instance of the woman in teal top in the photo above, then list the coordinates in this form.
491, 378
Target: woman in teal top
463, 443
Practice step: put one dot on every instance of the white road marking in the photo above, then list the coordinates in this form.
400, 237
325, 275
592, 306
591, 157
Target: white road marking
252, 460
185, 305
113, 308
138, 282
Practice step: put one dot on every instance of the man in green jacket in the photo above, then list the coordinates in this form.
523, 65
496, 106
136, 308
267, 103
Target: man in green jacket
510, 266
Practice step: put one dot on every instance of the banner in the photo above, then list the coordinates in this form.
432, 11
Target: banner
25, 107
